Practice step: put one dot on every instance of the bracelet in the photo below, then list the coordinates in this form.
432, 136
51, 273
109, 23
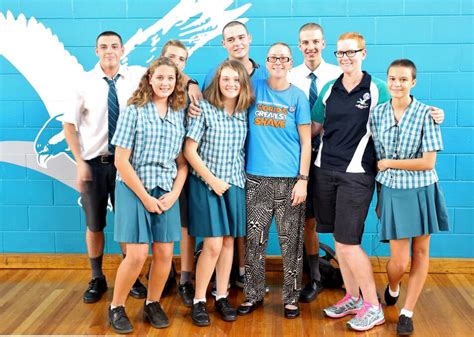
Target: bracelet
191, 81
302, 177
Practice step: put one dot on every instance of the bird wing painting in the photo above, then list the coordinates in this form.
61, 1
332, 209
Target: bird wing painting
52, 71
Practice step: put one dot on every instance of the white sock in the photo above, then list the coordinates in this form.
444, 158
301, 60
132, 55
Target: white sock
197, 300
148, 302
241, 271
115, 306
218, 297
406, 313
355, 299
394, 293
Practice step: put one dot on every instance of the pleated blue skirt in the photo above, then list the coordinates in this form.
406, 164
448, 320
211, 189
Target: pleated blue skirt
408, 213
134, 224
212, 216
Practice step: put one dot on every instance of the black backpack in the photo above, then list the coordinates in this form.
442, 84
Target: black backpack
331, 276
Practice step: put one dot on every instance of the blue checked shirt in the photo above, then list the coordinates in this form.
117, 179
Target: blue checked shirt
155, 143
221, 140
415, 133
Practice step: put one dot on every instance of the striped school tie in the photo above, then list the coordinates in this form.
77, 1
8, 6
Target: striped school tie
313, 91
113, 109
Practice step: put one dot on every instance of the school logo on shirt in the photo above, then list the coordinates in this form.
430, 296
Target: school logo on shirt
271, 115
362, 102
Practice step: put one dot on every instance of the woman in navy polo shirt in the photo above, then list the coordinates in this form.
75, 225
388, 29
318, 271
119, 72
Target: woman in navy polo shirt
344, 176
151, 173
215, 149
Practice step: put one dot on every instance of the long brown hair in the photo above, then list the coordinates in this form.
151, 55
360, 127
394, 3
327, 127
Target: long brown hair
246, 96
144, 93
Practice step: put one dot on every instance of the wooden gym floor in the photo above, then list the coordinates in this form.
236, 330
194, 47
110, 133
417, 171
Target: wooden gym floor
49, 302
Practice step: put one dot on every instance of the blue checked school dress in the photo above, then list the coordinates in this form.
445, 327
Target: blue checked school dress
411, 202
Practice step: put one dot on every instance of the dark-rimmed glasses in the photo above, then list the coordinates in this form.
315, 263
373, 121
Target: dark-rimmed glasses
283, 59
349, 53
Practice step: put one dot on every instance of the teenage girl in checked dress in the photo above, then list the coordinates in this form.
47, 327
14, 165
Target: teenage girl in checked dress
215, 150
411, 204
151, 174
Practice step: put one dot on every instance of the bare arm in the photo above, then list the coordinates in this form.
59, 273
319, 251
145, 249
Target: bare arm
427, 162
194, 92
219, 186
300, 190
315, 129
130, 178
83, 169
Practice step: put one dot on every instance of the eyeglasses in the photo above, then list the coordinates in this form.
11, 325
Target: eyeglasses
349, 53
283, 59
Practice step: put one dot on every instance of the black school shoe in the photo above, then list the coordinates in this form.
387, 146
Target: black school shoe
138, 290
199, 314
247, 309
310, 291
186, 292
405, 326
154, 313
119, 321
389, 299
225, 310
97, 286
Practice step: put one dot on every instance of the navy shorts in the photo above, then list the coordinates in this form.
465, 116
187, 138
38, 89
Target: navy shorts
343, 201
96, 195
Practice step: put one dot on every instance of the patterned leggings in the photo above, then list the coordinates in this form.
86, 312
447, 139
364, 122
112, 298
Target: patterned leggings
267, 197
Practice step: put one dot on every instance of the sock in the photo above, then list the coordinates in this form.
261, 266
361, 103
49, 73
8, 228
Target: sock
406, 313
115, 306
218, 297
394, 293
355, 299
96, 266
149, 302
241, 271
185, 277
314, 267
197, 300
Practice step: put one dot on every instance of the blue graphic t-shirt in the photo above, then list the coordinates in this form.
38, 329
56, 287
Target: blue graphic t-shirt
273, 142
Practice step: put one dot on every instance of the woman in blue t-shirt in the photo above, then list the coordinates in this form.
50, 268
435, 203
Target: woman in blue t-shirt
278, 156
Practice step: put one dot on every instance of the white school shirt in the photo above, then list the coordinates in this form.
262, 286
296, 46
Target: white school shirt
89, 110
325, 72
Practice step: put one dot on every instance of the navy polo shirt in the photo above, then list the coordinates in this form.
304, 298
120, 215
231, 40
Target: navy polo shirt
346, 143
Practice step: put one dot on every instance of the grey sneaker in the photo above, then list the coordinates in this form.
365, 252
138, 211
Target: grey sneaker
346, 306
367, 317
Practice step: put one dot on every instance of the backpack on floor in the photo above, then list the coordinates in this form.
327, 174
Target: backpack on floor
331, 276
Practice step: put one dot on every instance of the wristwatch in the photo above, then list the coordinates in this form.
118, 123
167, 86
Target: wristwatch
302, 177
191, 81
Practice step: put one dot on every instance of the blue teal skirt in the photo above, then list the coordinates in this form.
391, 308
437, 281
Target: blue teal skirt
408, 213
212, 216
134, 224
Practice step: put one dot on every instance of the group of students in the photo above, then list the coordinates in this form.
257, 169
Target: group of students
262, 143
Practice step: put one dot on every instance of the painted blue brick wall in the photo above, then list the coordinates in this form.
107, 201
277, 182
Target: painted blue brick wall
40, 214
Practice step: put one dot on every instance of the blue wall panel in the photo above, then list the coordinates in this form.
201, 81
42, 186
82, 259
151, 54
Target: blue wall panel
39, 213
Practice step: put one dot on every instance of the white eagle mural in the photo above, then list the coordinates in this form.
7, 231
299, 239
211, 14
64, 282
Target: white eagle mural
194, 22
